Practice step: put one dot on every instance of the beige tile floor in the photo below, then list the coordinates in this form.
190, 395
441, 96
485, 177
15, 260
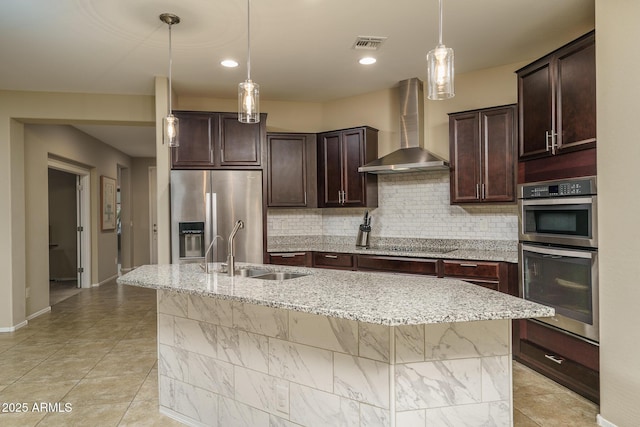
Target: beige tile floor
96, 351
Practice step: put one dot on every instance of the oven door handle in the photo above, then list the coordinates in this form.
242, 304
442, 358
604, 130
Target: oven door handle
552, 256
548, 252
558, 201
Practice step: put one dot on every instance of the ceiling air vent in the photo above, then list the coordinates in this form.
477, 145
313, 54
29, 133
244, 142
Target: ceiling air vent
368, 42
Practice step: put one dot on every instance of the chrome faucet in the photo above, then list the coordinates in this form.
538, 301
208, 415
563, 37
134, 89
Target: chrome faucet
205, 267
230, 258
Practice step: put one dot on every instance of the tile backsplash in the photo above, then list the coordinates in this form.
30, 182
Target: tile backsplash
410, 205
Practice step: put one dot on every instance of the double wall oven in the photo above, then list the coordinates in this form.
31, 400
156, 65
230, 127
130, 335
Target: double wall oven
558, 252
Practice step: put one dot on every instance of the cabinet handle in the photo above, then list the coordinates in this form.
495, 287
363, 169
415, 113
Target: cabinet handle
331, 256
483, 194
305, 198
344, 197
551, 139
469, 265
289, 255
477, 191
555, 359
339, 197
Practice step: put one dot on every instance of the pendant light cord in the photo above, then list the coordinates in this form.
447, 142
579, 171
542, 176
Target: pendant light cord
440, 31
248, 39
170, 66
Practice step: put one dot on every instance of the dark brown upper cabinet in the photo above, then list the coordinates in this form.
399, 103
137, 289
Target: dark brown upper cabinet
340, 154
482, 155
217, 140
557, 101
292, 170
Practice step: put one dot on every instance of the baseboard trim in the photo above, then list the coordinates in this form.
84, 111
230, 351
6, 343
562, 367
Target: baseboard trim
15, 327
604, 423
181, 418
39, 313
95, 285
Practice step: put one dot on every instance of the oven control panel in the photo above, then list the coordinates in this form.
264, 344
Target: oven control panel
571, 187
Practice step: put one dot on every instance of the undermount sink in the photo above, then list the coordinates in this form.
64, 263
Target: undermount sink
252, 272
279, 275
257, 273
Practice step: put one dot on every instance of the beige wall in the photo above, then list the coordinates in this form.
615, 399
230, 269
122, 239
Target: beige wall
17, 108
68, 143
618, 68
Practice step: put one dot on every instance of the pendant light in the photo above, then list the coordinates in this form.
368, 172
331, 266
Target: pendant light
170, 122
248, 91
440, 69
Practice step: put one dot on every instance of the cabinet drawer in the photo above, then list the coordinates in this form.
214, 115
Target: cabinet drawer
577, 377
301, 259
472, 269
333, 260
398, 264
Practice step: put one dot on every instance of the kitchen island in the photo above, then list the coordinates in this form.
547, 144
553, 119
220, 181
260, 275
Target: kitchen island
331, 348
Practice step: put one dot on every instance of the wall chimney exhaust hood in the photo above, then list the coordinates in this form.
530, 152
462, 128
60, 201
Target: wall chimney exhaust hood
411, 156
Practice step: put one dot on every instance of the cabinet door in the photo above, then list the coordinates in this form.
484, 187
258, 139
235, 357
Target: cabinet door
330, 169
196, 141
464, 155
536, 103
291, 174
576, 112
239, 143
352, 155
498, 159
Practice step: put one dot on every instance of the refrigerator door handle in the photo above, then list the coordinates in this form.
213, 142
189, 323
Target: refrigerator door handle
211, 222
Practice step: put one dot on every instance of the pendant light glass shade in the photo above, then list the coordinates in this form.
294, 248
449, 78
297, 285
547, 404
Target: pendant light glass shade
170, 122
440, 69
249, 102
440, 72
248, 91
170, 125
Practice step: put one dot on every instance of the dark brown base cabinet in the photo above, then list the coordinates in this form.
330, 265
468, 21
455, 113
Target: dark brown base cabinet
562, 357
499, 276
292, 170
333, 260
393, 264
340, 154
482, 153
298, 259
217, 140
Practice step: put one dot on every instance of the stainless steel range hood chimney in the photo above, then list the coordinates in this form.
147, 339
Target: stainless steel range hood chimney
411, 156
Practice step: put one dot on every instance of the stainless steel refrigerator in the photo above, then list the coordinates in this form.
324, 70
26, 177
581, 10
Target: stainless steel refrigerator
206, 203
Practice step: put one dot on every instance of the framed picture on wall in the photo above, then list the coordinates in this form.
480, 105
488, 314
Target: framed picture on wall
107, 203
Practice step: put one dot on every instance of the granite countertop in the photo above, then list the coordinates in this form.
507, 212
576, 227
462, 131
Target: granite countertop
380, 298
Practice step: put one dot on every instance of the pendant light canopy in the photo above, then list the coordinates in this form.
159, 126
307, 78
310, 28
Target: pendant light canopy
440, 69
170, 122
248, 91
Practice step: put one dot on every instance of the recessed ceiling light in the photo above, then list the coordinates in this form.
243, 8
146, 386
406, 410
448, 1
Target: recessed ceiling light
229, 63
367, 60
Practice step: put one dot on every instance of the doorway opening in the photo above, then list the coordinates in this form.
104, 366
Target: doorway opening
69, 233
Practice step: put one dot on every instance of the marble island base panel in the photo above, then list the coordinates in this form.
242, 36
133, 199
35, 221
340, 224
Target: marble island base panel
227, 363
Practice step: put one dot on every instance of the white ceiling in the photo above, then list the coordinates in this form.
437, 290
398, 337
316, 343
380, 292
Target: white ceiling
301, 50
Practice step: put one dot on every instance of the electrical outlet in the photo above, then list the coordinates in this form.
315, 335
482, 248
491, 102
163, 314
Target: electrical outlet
484, 224
282, 399
27, 292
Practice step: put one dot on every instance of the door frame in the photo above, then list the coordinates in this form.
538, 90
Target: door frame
153, 215
83, 206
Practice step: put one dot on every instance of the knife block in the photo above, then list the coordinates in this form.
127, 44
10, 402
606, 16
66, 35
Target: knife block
362, 240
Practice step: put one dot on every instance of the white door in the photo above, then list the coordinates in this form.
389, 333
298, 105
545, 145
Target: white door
153, 215
80, 230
